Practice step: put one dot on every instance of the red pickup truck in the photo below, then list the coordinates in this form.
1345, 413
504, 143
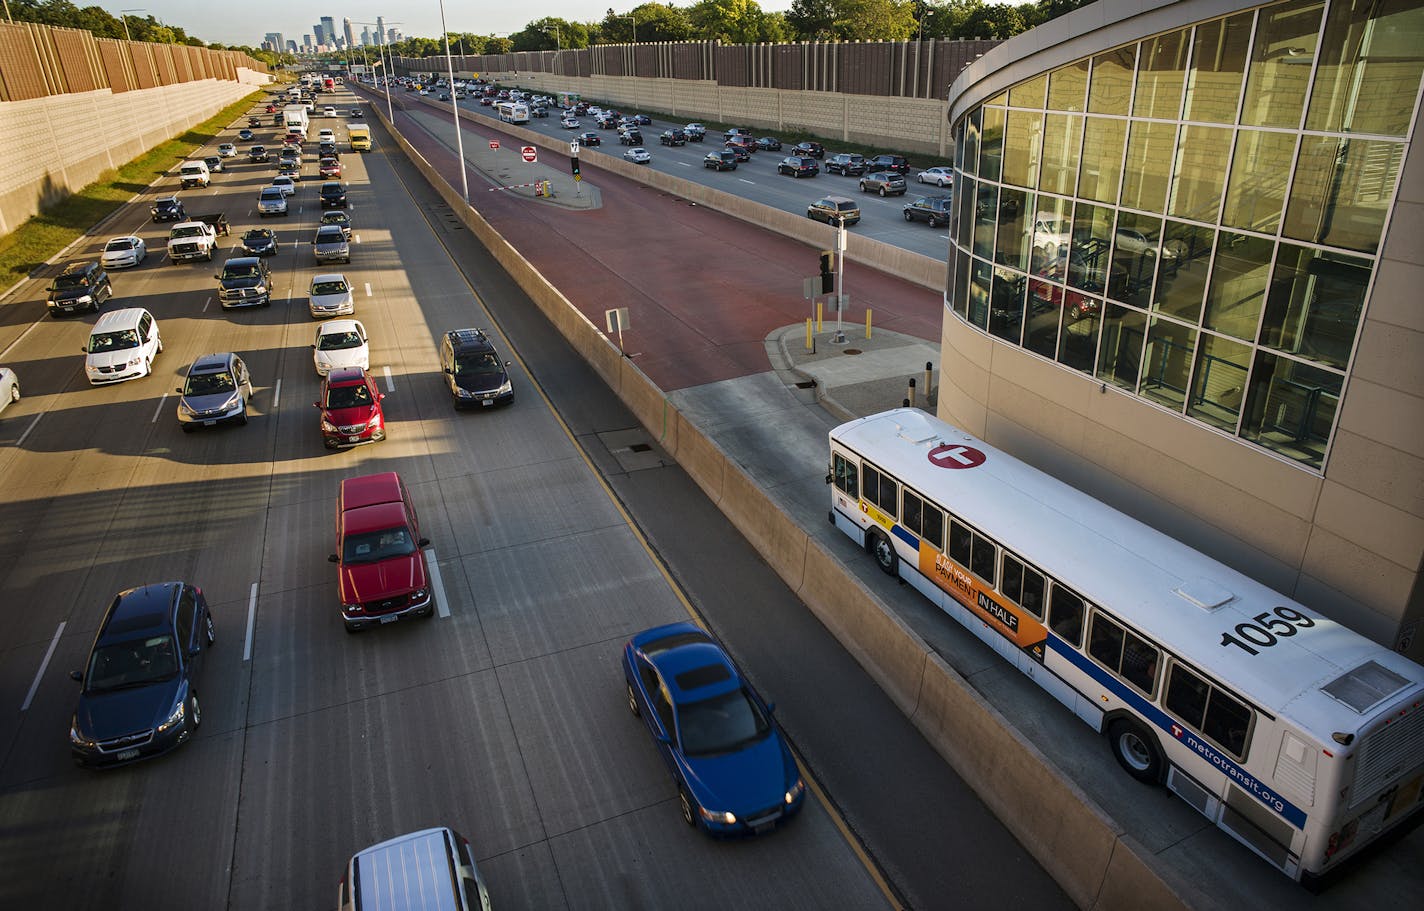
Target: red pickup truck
381, 566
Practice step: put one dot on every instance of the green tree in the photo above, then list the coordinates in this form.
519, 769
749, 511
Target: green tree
646, 22
732, 22
874, 20
998, 20
550, 33
812, 20
497, 44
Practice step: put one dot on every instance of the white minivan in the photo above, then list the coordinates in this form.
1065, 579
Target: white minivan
433, 869
122, 346
194, 174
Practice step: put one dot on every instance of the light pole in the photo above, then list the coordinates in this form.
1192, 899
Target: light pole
633, 70
123, 14
455, 106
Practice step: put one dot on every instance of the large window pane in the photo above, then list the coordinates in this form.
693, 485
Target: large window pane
1150, 149
1135, 253
1342, 190
959, 146
1110, 89
1167, 362
981, 283
973, 127
1078, 340
959, 296
1068, 87
1368, 74
986, 220
1218, 69
1088, 262
1181, 279
1023, 146
1256, 190
1290, 407
1062, 137
1015, 224
1238, 284
1199, 177
1314, 303
1219, 381
1120, 355
991, 143
1162, 70
1052, 229
965, 223
1029, 94
1045, 306
1286, 38
1101, 170
1007, 304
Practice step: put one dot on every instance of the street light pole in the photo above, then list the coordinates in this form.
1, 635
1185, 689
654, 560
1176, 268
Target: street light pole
123, 14
633, 70
455, 106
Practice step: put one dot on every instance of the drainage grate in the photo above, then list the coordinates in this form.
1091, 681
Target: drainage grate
851, 351
806, 384
640, 447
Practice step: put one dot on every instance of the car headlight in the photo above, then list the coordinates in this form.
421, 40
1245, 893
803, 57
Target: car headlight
185, 408
728, 817
135, 361
83, 299
233, 401
77, 738
505, 388
420, 594
351, 608
327, 426
464, 393
375, 420
175, 717
795, 791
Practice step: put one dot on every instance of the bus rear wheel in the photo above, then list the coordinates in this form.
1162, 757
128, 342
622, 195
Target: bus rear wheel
1136, 751
884, 552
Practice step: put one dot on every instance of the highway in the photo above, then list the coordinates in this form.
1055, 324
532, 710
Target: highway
503, 715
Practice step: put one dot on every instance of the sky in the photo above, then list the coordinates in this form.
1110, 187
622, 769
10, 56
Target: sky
247, 22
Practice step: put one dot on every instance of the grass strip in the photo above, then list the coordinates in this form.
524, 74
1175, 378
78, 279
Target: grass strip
29, 247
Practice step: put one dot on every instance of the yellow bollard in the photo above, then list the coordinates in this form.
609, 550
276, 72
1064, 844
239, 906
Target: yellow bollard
808, 334
867, 324
819, 305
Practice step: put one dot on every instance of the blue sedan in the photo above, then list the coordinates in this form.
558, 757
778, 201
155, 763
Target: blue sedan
734, 772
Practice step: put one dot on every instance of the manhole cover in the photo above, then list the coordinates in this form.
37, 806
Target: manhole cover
851, 351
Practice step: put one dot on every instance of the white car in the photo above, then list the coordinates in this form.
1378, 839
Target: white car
340, 343
287, 185
326, 136
227, 150
123, 251
331, 296
638, 155
940, 177
9, 387
569, 123
329, 112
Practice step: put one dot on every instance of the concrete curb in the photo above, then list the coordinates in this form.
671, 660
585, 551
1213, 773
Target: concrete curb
1082, 848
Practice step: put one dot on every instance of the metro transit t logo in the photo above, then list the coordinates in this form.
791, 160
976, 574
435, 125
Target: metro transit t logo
956, 456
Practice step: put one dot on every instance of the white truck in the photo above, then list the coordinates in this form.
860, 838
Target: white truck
189, 240
193, 174
295, 119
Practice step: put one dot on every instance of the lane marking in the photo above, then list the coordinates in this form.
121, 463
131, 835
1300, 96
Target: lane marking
744, 180
390, 383
357, 238
21, 441
159, 410
683, 164
276, 395
368, 289
442, 606
34, 687
251, 622
205, 304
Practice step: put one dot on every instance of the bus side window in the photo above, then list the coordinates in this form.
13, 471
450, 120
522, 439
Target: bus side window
1224, 720
846, 477
913, 513
983, 558
870, 484
959, 540
1065, 615
889, 500
1139, 664
1022, 584
933, 524
1105, 642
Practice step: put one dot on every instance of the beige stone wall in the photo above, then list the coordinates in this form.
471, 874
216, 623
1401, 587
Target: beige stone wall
52, 146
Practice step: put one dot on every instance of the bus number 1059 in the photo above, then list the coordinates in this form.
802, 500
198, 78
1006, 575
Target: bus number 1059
1267, 632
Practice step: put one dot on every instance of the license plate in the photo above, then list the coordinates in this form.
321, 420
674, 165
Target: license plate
355, 439
127, 754
209, 423
390, 619
764, 827
487, 402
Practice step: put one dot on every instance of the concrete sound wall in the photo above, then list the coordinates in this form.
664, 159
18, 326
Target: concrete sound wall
52, 146
1085, 851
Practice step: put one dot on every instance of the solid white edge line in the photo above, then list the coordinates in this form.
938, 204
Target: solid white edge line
159, 410
276, 395
21, 440
390, 381
442, 606
34, 687
251, 623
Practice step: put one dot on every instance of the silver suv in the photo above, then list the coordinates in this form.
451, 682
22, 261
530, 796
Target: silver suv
271, 201
217, 389
330, 245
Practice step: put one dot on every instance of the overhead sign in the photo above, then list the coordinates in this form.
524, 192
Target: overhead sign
573, 148
529, 153
956, 457
494, 143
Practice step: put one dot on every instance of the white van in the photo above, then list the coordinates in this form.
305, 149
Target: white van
433, 869
194, 174
122, 346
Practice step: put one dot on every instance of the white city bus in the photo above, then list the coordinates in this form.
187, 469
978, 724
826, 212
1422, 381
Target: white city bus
1302, 739
512, 111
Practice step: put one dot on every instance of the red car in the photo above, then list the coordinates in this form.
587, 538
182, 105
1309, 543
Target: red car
295, 139
271, 109
330, 167
350, 407
381, 567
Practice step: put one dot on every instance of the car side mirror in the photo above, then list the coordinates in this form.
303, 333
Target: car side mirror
193, 652
217, 275
771, 708
450, 371
316, 404
424, 542
332, 558
380, 396
76, 676
178, 389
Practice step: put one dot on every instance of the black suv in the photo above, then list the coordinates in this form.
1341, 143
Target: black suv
140, 694
168, 208
245, 281
473, 371
631, 136
81, 286
934, 210
809, 149
333, 195
896, 163
674, 137
846, 163
259, 242
721, 160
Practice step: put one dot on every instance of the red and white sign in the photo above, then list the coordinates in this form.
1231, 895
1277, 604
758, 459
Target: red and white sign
529, 153
956, 457
494, 143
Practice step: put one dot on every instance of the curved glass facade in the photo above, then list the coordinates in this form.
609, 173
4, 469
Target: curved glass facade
1195, 218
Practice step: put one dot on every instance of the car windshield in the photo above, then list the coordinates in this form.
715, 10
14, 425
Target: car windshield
113, 341
257, 234
320, 288
355, 396
477, 364
69, 282
118, 245
721, 724
242, 270
135, 663
209, 384
330, 234
372, 546
335, 341
335, 218
271, 193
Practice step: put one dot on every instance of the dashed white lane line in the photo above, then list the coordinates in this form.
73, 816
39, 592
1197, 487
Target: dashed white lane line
442, 606
276, 395
368, 289
21, 441
251, 623
159, 410
744, 180
390, 381
206, 303
49, 653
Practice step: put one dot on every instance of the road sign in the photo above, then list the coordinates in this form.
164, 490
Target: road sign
529, 153
573, 148
494, 143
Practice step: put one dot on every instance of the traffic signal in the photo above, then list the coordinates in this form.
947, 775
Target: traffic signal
828, 271
573, 164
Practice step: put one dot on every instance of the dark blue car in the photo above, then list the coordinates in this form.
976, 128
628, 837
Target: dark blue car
140, 695
734, 772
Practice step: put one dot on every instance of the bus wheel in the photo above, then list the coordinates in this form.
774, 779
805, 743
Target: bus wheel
884, 552
1136, 751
